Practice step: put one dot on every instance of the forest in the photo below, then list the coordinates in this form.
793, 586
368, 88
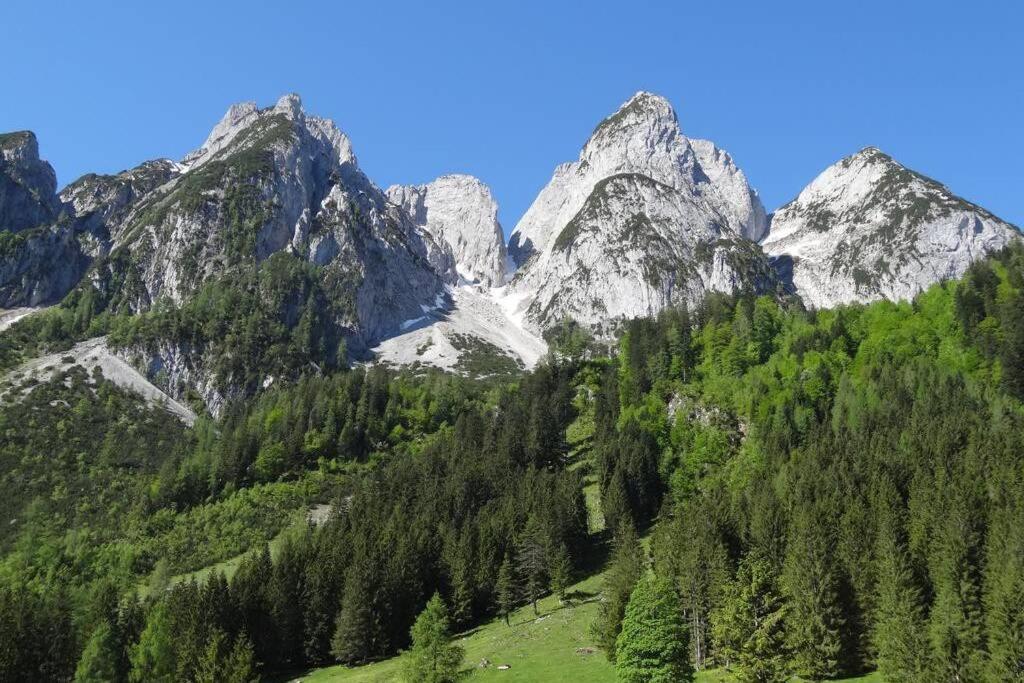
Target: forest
786, 492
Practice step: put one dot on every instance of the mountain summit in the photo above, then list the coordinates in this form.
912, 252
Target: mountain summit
267, 252
644, 219
868, 228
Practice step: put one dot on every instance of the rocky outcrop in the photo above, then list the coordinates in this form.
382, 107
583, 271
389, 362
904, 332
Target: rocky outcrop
460, 211
39, 259
28, 185
40, 265
869, 228
277, 180
646, 218
102, 204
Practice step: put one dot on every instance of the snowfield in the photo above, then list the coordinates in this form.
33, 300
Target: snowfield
485, 314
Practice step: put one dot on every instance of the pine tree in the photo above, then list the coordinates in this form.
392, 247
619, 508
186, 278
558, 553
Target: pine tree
532, 562
240, 665
506, 589
749, 627
899, 635
1004, 589
623, 572
433, 658
249, 591
355, 633
560, 571
99, 658
812, 586
955, 623
653, 646
153, 657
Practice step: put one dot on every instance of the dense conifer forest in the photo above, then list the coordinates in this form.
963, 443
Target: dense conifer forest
786, 492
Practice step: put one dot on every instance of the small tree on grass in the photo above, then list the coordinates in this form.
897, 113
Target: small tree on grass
506, 589
433, 658
532, 562
654, 644
560, 571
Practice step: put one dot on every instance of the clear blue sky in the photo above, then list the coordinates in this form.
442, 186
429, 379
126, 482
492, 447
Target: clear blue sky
507, 91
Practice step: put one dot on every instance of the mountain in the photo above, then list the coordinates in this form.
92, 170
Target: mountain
28, 185
459, 210
267, 252
645, 218
869, 228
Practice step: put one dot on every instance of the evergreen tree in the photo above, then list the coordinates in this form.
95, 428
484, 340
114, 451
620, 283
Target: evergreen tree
1004, 589
899, 635
506, 589
955, 623
749, 627
355, 628
653, 646
532, 562
560, 571
623, 572
815, 623
98, 663
433, 658
153, 658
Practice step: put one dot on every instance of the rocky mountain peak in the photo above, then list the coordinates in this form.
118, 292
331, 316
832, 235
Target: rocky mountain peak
642, 137
290, 105
460, 211
247, 118
641, 113
868, 227
645, 218
28, 185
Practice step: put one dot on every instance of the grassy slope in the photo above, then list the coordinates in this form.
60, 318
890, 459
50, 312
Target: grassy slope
554, 647
551, 648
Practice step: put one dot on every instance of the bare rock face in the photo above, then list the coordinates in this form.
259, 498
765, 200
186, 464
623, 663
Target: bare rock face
270, 181
869, 228
28, 185
646, 218
39, 260
460, 211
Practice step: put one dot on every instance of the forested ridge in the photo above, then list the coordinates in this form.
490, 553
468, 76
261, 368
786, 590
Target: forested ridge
824, 492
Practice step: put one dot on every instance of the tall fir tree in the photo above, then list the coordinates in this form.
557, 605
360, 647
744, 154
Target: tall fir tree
532, 561
810, 578
624, 570
506, 589
749, 627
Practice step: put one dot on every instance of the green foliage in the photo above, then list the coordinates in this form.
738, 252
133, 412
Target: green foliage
816, 621
624, 570
653, 646
433, 658
749, 626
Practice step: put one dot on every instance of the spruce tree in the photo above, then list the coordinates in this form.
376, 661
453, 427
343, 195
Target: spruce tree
810, 578
623, 572
98, 663
1004, 589
506, 589
749, 627
653, 646
532, 562
153, 657
354, 632
433, 658
956, 620
560, 571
